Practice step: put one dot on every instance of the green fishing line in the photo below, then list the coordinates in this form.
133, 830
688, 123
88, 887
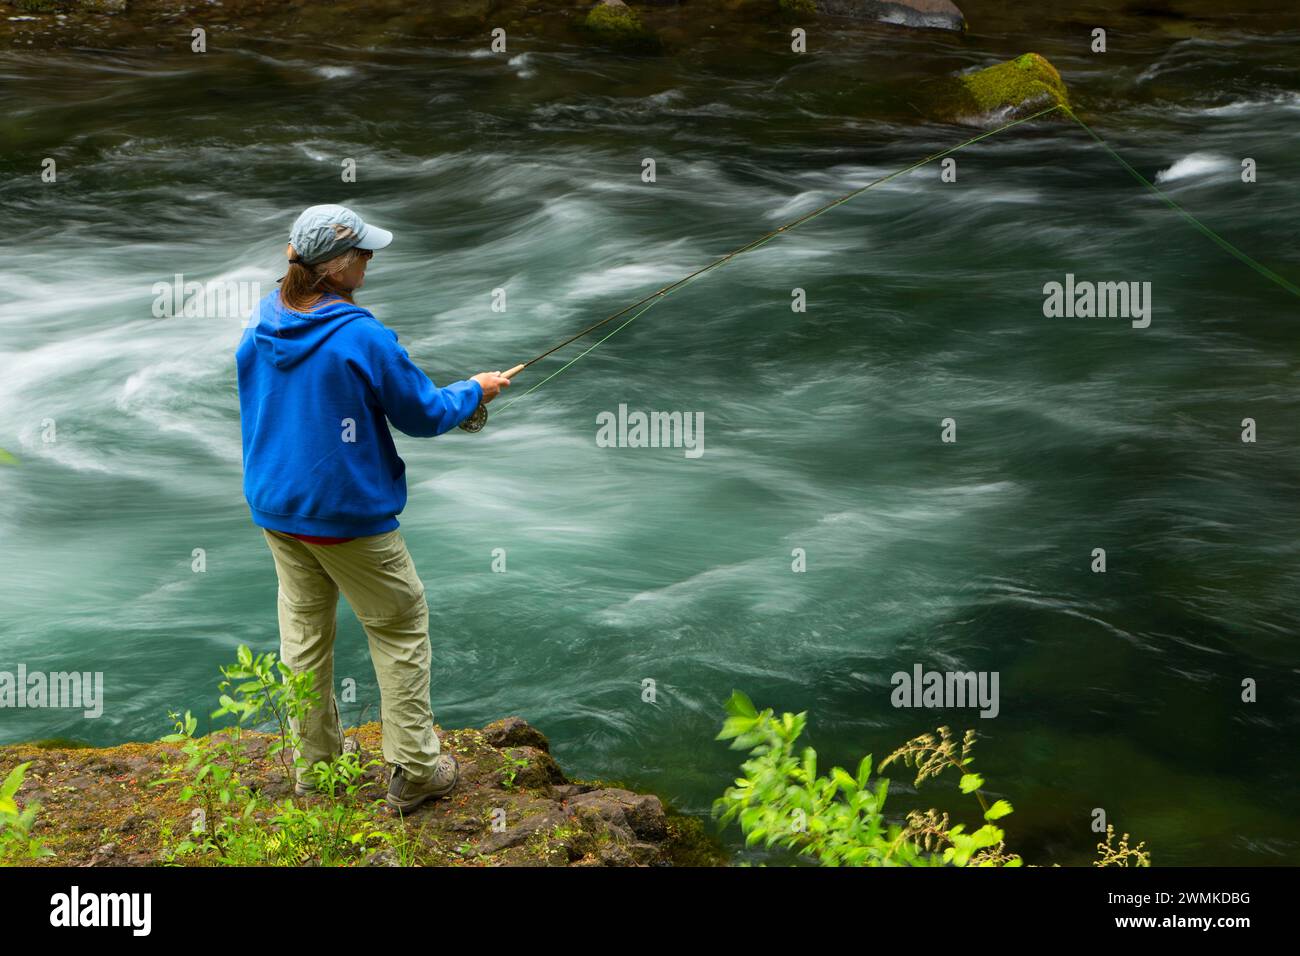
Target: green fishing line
655, 298
1224, 244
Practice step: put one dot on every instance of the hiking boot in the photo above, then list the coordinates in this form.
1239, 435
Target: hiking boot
406, 793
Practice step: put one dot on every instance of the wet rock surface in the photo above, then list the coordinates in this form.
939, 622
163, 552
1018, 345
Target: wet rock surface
921, 14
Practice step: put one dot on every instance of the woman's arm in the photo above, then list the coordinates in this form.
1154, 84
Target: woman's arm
419, 408
415, 405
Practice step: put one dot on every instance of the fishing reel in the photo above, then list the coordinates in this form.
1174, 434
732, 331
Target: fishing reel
476, 421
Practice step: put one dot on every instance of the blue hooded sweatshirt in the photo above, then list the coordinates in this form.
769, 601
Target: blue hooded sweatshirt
314, 391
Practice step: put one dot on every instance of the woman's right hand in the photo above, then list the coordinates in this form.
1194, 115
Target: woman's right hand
491, 383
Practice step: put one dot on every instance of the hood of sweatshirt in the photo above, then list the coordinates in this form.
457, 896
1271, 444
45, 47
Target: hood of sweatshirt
285, 338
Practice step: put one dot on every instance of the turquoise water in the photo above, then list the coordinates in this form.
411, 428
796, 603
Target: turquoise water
1119, 691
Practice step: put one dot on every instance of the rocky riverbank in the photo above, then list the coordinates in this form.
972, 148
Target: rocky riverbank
646, 26
514, 806
932, 46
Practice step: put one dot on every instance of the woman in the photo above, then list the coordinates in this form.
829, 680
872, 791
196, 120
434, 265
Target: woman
320, 379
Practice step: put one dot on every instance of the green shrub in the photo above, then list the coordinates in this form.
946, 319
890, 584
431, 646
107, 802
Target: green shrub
235, 826
839, 818
16, 840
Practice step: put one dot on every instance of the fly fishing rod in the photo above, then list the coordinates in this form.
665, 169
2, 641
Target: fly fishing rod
477, 420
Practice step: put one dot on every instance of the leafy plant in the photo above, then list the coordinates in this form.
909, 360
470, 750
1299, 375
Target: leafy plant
16, 839
512, 767
931, 756
781, 800
839, 818
269, 690
208, 769
233, 824
335, 832
1123, 854
403, 847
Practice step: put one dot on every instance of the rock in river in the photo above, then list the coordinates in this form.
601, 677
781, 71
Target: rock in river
999, 93
933, 14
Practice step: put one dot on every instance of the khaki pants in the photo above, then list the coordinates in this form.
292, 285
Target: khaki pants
377, 577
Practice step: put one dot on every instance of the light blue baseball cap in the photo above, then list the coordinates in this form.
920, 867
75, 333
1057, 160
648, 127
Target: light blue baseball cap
323, 232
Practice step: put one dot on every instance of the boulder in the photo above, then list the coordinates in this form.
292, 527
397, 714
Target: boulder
614, 24
641, 814
538, 770
1006, 91
513, 836
925, 14
797, 8
568, 790
514, 732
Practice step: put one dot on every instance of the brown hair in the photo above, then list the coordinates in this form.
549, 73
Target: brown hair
304, 286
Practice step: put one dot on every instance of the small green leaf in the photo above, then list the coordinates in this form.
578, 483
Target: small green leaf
14, 780
734, 727
810, 763
970, 782
864, 772
739, 705
847, 783
999, 810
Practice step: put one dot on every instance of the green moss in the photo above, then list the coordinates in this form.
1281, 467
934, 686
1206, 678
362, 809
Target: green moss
1026, 78
142, 820
549, 847
1018, 87
59, 743
797, 8
39, 6
600, 784
621, 27
690, 844
560, 845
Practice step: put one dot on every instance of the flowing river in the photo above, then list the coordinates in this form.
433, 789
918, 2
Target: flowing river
821, 429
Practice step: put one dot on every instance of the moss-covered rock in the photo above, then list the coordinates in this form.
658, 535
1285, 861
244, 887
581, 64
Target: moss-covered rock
512, 807
1010, 90
60, 743
797, 9
615, 24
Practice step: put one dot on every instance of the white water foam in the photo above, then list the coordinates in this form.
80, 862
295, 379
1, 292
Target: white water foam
1195, 165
